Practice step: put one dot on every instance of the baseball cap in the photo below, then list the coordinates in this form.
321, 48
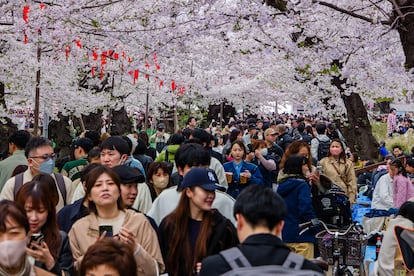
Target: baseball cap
270, 131
161, 125
201, 177
85, 143
129, 174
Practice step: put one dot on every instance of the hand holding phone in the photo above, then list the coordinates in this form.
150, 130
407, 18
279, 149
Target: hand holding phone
37, 238
107, 228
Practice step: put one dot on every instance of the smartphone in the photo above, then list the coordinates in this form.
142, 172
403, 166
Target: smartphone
107, 228
36, 238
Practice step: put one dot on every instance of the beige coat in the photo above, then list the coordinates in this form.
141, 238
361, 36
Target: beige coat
85, 232
346, 178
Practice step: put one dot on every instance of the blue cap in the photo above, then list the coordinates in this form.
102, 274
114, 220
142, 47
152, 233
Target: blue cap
201, 177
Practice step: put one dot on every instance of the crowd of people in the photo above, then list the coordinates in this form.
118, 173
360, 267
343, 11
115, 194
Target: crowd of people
177, 203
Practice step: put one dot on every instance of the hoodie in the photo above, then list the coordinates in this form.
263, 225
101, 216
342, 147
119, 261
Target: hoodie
297, 195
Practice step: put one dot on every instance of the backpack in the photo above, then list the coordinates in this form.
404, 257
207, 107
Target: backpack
333, 207
241, 266
18, 183
323, 148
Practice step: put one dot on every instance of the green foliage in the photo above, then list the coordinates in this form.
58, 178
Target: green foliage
383, 99
406, 141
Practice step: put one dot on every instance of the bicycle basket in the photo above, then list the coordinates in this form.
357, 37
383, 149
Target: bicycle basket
352, 248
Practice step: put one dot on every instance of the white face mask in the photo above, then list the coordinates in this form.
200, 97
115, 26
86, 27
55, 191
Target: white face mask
160, 182
263, 152
11, 252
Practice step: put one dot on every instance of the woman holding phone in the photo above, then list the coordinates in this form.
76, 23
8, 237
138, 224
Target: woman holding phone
48, 246
107, 214
14, 229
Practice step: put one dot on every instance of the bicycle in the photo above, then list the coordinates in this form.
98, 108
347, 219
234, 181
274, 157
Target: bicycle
340, 248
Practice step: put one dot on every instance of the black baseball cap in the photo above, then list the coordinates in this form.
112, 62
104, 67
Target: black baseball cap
201, 177
129, 174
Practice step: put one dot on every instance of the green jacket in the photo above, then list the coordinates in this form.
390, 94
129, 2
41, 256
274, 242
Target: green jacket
172, 149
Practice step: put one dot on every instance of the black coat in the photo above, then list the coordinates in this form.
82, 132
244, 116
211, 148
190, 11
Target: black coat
259, 249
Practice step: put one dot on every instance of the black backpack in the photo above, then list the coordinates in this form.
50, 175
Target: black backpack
323, 148
333, 207
240, 266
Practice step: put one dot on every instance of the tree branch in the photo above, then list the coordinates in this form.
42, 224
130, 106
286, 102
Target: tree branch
353, 14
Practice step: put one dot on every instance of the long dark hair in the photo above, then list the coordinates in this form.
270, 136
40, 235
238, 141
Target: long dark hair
43, 192
399, 165
180, 257
294, 165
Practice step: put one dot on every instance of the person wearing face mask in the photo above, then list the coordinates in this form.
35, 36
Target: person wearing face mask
340, 169
266, 163
260, 214
41, 159
14, 228
158, 178
296, 192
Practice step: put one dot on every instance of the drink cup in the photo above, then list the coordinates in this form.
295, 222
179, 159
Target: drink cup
243, 178
229, 177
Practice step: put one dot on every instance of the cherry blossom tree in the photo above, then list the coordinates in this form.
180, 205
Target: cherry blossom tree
333, 57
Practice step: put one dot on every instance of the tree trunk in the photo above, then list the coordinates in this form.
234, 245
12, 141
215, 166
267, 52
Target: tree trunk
358, 133
405, 27
120, 123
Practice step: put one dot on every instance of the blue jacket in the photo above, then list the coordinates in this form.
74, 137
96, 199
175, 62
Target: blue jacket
235, 187
297, 195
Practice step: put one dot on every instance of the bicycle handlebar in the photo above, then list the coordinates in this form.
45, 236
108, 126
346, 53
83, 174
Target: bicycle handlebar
315, 222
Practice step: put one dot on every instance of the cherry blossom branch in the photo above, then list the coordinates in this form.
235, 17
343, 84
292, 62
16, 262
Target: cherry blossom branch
353, 14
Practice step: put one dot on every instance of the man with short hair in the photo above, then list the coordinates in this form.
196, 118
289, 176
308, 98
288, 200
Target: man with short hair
160, 138
72, 169
321, 137
116, 151
398, 152
41, 159
260, 214
192, 123
273, 149
188, 156
17, 143
283, 138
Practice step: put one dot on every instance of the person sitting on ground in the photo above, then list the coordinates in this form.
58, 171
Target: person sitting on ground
389, 256
403, 190
260, 214
108, 257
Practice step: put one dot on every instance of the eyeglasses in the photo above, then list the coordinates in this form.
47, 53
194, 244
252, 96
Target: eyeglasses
45, 156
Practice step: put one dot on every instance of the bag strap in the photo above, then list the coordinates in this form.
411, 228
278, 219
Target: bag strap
340, 175
293, 261
61, 185
235, 258
166, 155
18, 183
